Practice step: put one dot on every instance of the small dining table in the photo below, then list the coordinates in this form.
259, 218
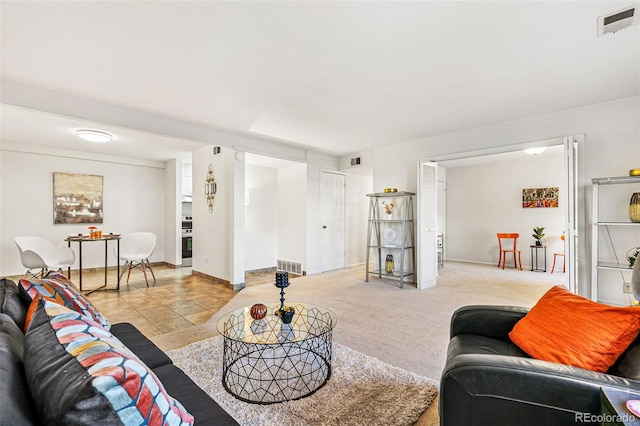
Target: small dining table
80, 239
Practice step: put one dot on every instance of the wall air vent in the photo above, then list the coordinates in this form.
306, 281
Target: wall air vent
617, 21
290, 266
355, 161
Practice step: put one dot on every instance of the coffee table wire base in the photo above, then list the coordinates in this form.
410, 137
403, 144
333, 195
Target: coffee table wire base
288, 362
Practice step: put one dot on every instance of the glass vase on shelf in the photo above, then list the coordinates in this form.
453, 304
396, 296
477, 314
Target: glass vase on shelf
634, 208
389, 264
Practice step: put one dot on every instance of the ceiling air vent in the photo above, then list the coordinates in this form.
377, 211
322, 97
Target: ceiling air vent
617, 21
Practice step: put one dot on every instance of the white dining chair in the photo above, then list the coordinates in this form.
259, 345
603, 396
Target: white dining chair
40, 253
135, 250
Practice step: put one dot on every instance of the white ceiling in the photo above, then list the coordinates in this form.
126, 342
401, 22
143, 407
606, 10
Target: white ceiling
334, 76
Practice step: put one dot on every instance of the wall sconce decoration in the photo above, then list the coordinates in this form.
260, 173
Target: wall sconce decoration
210, 188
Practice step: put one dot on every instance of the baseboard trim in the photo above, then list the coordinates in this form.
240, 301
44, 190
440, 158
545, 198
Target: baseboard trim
216, 280
272, 269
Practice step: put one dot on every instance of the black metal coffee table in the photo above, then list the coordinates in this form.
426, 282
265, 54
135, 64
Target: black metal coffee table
267, 361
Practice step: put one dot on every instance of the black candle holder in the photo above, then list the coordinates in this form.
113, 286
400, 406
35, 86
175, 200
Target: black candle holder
282, 282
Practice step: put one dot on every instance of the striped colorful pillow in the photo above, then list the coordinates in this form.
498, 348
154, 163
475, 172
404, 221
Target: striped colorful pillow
79, 373
58, 287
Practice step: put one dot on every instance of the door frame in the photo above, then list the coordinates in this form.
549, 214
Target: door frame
426, 264
574, 177
344, 216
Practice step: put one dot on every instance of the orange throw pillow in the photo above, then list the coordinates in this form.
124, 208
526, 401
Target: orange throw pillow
569, 329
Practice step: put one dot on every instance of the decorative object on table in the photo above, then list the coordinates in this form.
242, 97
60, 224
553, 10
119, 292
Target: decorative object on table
77, 198
632, 255
538, 233
286, 313
390, 190
540, 197
282, 282
634, 208
258, 311
389, 264
634, 172
388, 209
210, 188
95, 233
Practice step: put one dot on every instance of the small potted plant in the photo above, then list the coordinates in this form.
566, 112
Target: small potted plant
286, 314
538, 233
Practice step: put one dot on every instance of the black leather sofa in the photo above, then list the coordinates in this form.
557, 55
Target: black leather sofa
488, 380
17, 407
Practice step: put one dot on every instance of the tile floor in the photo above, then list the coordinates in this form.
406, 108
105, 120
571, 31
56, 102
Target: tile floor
177, 300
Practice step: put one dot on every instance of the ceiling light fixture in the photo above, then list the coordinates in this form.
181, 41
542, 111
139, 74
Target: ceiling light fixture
94, 135
535, 151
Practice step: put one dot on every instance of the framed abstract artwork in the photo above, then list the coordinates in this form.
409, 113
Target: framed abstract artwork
77, 198
540, 197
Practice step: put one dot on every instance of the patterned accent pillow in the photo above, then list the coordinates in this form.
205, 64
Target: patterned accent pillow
58, 287
79, 373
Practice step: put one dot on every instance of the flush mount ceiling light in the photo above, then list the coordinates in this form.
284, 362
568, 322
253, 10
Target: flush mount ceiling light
535, 151
94, 135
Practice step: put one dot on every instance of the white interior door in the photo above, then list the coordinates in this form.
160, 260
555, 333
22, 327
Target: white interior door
332, 219
427, 262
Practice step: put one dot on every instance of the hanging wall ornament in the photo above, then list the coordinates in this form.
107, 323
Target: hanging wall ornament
210, 188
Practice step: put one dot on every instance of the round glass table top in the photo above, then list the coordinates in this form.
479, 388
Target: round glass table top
308, 321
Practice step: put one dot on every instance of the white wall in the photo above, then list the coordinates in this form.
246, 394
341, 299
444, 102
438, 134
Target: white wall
483, 200
292, 213
134, 200
611, 148
211, 231
316, 162
172, 236
261, 217
357, 211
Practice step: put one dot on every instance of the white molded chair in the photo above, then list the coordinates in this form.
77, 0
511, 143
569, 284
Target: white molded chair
135, 250
39, 253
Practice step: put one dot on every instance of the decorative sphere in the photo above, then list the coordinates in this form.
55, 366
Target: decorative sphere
258, 311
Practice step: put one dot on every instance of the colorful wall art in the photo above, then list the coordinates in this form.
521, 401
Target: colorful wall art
540, 197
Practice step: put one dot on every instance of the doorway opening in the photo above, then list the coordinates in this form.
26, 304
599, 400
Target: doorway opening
275, 217
488, 197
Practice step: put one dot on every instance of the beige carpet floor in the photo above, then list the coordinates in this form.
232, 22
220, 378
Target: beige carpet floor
407, 328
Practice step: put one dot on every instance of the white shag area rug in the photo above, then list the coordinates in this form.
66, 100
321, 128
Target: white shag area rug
361, 391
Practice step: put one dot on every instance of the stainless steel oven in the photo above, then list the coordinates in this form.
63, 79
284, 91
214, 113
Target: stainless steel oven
187, 242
